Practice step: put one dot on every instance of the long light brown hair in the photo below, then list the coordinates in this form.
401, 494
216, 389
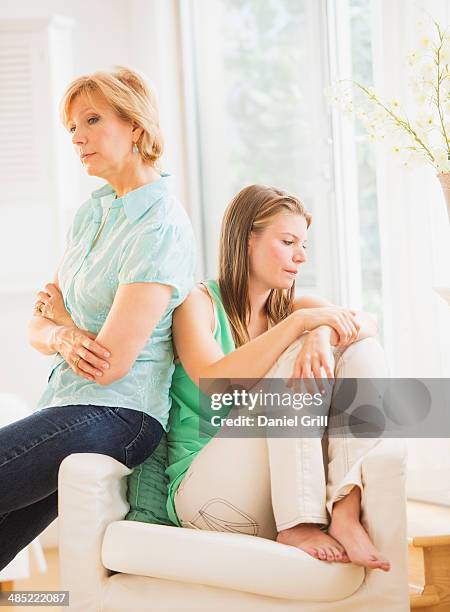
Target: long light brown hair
251, 210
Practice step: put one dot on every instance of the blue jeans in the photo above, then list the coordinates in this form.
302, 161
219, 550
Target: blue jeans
32, 449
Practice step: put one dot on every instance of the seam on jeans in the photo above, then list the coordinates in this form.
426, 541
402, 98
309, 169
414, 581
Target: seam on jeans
305, 518
151, 434
56, 433
305, 466
340, 494
345, 453
300, 466
141, 427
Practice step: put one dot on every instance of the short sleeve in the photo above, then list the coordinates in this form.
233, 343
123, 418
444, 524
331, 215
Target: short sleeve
160, 254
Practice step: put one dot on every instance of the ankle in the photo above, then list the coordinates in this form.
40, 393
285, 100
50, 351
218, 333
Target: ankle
342, 515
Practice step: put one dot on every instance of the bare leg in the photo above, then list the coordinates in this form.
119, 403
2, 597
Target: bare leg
346, 528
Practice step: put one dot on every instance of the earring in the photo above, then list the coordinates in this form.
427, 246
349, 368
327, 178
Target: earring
135, 149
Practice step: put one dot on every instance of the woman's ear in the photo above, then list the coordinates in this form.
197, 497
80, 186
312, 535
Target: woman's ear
136, 132
250, 242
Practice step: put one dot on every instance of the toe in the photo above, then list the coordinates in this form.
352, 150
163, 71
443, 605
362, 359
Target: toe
375, 562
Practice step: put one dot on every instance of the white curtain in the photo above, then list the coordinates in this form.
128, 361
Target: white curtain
414, 228
415, 246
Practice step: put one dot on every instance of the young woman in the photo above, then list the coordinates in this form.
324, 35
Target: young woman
129, 262
239, 326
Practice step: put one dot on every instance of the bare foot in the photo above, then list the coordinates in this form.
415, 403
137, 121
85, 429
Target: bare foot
359, 547
309, 537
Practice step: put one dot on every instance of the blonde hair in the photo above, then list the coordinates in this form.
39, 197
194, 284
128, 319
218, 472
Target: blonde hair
251, 210
127, 93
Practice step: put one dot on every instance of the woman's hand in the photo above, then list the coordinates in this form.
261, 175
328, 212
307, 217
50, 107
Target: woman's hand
85, 356
50, 304
342, 320
78, 347
315, 360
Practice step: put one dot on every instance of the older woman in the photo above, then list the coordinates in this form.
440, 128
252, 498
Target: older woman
129, 262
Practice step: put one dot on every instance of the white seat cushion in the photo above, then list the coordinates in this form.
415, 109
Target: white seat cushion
226, 560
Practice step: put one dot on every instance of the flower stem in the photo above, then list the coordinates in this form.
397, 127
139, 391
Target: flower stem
438, 88
401, 122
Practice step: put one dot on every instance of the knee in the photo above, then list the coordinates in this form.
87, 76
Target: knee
362, 359
366, 344
284, 365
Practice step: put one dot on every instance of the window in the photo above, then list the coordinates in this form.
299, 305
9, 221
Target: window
35, 171
260, 70
361, 54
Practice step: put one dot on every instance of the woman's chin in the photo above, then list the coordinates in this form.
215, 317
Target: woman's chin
92, 171
286, 285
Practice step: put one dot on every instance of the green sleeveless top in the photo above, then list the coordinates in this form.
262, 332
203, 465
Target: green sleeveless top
186, 418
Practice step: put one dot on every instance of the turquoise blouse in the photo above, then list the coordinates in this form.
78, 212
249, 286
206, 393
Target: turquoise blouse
147, 238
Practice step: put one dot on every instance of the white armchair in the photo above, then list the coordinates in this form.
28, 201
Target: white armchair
112, 565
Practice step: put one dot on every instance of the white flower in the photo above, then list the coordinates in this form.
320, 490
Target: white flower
426, 120
443, 163
413, 58
422, 99
427, 71
444, 54
422, 140
423, 26
415, 84
414, 160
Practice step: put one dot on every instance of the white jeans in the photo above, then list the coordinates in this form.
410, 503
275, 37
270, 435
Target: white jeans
259, 486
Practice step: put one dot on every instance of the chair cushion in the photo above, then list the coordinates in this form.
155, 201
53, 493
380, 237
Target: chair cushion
147, 488
226, 560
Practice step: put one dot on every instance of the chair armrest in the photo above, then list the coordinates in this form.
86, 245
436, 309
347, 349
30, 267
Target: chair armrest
384, 518
92, 494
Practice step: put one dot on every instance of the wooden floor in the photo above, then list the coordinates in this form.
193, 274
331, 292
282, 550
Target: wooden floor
40, 582
429, 556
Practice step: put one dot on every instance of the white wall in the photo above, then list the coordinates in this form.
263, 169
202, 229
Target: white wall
106, 32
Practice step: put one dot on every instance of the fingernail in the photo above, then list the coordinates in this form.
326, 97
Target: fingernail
107, 354
99, 373
106, 365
